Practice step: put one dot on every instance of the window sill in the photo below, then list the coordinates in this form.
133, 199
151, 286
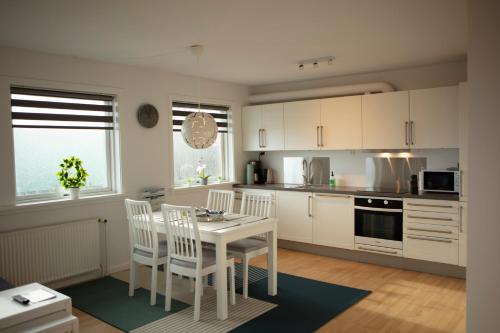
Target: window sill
202, 187
22, 207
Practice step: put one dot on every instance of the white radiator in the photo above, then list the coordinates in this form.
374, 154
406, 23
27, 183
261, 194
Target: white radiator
52, 253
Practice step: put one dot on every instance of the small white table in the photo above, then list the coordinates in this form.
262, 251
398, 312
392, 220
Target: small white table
52, 315
221, 237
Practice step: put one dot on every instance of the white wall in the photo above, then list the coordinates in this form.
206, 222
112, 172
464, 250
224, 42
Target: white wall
349, 166
483, 271
401, 79
146, 153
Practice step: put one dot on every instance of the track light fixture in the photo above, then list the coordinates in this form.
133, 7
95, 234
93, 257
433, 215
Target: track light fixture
315, 63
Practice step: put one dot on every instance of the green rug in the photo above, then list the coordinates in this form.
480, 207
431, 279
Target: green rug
107, 299
303, 305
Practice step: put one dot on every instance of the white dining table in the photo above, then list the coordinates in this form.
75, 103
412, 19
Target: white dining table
235, 227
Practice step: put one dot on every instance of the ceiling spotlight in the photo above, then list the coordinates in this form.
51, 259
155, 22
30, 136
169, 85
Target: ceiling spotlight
301, 66
315, 65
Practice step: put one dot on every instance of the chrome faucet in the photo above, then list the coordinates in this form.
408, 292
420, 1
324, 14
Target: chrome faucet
306, 172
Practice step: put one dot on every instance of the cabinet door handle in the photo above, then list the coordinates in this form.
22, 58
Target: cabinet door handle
430, 218
431, 239
321, 135
406, 133
376, 250
260, 138
426, 205
412, 132
309, 199
431, 230
333, 196
317, 136
264, 141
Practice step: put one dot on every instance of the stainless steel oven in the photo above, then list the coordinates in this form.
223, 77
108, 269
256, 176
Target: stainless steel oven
379, 222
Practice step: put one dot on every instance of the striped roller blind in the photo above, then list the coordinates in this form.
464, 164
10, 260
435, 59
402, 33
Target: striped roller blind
37, 108
181, 109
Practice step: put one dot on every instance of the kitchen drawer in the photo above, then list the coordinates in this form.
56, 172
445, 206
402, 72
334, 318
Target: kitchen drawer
379, 250
431, 249
426, 205
413, 216
431, 230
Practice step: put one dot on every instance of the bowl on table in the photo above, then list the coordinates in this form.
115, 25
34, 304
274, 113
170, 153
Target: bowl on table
207, 215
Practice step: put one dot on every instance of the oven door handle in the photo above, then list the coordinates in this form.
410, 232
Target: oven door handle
389, 210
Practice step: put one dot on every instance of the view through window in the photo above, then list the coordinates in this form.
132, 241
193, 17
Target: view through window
49, 126
187, 160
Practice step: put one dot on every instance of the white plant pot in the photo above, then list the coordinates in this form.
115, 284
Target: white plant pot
74, 193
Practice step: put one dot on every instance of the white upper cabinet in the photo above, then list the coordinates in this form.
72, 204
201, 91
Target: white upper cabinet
463, 138
273, 134
251, 127
341, 123
434, 118
302, 125
262, 127
386, 120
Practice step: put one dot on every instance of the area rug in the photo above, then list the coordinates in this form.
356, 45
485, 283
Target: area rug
302, 305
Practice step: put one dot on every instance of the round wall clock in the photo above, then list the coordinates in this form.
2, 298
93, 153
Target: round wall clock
147, 115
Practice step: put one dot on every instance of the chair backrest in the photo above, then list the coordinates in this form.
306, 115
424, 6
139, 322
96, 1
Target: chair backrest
142, 228
256, 204
182, 232
220, 200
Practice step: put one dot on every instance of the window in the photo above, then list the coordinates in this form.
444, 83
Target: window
49, 126
187, 159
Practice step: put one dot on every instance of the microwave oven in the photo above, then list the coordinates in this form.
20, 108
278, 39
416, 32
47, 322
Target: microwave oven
439, 181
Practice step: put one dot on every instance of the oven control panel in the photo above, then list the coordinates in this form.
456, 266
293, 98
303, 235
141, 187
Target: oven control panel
378, 203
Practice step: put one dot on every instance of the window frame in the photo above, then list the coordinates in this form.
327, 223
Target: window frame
227, 142
112, 153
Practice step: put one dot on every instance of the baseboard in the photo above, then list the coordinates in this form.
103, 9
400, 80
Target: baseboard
118, 268
74, 279
377, 259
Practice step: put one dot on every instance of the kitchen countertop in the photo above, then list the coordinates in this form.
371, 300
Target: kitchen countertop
358, 191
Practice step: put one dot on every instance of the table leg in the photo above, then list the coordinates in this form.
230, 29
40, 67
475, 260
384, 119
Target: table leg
272, 262
221, 278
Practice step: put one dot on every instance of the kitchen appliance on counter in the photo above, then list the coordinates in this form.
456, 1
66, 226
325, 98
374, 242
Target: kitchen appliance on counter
300, 170
443, 181
392, 174
378, 225
255, 173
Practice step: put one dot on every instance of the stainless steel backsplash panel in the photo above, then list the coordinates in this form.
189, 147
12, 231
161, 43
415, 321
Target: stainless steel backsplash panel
320, 170
393, 172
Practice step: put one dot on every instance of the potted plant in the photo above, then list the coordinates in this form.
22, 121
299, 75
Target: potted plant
72, 176
201, 174
219, 179
189, 181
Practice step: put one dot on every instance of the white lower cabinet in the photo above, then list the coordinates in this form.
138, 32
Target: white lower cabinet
333, 220
435, 249
294, 211
431, 230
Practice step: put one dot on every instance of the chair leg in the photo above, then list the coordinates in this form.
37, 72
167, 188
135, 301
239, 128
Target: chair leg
197, 298
154, 283
191, 285
244, 263
232, 286
168, 289
131, 278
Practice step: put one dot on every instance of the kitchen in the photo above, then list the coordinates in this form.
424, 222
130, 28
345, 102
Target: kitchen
376, 142
332, 163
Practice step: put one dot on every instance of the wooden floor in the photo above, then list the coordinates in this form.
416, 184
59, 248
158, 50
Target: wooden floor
401, 301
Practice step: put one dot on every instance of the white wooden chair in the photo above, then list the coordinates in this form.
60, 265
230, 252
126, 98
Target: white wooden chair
145, 248
248, 248
220, 200
187, 257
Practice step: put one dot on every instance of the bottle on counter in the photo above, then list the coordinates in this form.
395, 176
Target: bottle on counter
414, 184
332, 181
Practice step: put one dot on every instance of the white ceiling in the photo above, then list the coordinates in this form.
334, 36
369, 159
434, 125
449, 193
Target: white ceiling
251, 42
